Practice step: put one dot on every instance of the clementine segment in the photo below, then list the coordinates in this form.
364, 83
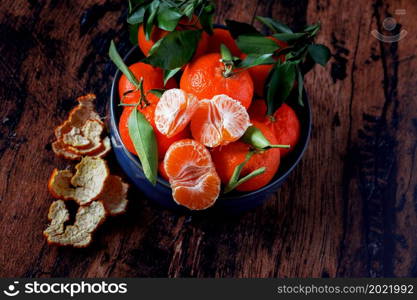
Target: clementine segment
219, 121
152, 79
191, 173
226, 159
222, 36
204, 78
284, 123
174, 110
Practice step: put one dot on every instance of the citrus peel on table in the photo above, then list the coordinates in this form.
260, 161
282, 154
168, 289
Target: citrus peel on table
97, 193
81, 133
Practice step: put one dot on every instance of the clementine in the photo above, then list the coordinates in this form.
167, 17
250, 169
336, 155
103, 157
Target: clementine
205, 77
152, 79
228, 157
284, 123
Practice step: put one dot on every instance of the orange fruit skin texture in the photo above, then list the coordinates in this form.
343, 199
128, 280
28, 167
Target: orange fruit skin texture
226, 158
203, 77
222, 36
162, 141
157, 34
260, 73
285, 124
152, 79
193, 178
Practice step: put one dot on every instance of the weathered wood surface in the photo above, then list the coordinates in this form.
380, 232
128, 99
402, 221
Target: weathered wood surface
349, 209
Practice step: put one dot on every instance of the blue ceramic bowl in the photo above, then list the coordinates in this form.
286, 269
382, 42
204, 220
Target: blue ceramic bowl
234, 202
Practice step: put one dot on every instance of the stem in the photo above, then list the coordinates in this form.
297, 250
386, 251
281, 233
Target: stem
143, 102
227, 60
279, 146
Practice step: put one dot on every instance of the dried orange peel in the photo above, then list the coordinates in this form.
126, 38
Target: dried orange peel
80, 135
78, 235
85, 185
114, 195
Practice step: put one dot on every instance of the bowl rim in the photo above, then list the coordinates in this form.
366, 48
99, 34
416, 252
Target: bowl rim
162, 181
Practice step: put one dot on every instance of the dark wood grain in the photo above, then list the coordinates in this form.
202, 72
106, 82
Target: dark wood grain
349, 209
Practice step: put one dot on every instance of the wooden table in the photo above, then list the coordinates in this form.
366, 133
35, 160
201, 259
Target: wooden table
349, 209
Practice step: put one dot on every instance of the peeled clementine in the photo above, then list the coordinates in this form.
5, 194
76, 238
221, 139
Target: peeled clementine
174, 111
219, 121
191, 173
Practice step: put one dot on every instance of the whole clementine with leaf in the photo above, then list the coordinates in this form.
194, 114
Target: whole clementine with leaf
146, 44
222, 36
260, 73
284, 123
227, 158
163, 141
152, 78
208, 76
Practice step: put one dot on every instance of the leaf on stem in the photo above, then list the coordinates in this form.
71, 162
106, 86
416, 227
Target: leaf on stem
320, 53
118, 61
168, 19
279, 85
274, 25
256, 60
144, 141
254, 137
235, 181
174, 50
256, 44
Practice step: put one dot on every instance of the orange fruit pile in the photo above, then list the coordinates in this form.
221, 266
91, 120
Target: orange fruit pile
199, 127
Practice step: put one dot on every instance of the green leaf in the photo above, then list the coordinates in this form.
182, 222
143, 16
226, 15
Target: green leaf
175, 49
279, 85
137, 16
312, 29
254, 137
256, 60
289, 37
300, 81
157, 92
235, 181
144, 141
168, 74
225, 53
206, 18
189, 9
256, 44
168, 19
149, 17
274, 25
133, 33
118, 61
239, 28
320, 53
